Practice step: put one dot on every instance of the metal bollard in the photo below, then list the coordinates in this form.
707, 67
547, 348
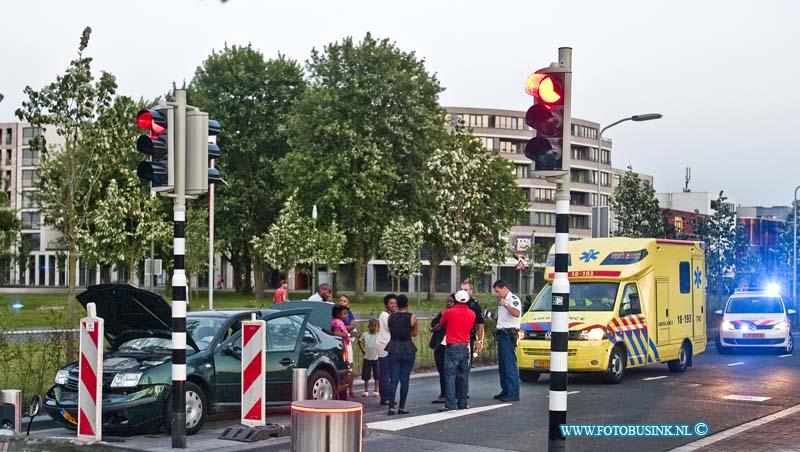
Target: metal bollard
12, 412
299, 384
326, 425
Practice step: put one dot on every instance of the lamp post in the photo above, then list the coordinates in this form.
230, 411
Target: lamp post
313, 259
637, 118
794, 250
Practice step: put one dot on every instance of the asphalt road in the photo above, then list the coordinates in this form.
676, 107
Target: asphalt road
648, 395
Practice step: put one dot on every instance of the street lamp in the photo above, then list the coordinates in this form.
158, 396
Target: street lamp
637, 118
794, 250
313, 259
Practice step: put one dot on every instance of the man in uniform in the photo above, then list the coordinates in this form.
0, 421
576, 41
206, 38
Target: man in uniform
509, 313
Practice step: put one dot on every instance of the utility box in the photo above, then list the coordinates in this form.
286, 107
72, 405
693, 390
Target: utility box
11, 409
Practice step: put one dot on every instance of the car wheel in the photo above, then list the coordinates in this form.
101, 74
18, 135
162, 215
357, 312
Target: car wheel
615, 371
721, 349
679, 365
789, 345
321, 386
529, 376
195, 410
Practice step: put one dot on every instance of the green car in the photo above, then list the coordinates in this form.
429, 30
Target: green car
137, 374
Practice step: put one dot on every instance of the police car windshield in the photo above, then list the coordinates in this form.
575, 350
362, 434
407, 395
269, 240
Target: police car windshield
585, 296
755, 305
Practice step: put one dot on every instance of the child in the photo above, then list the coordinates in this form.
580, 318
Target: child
339, 314
367, 344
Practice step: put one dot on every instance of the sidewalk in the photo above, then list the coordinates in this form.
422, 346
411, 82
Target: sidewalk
774, 433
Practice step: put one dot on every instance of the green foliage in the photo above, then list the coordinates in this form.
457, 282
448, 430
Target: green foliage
400, 246
197, 238
719, 234
10, 226
359, 136
328, 246
287, 242
636, 208
251, 98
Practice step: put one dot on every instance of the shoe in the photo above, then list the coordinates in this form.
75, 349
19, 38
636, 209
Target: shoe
466, 407
374, 394
445, 409
391, 412
439, 400
509, 399
384, 402
365, 394
499, 396
402, 411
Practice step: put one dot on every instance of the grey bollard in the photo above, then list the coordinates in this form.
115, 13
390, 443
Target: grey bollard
299, 384
326, 425
13, 397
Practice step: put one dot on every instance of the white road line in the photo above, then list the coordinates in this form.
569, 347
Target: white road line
736, 364
402, 423
654, 378
736, 430
746, 398
785, 356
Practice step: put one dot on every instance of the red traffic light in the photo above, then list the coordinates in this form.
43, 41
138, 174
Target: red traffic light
544, 87
152, 120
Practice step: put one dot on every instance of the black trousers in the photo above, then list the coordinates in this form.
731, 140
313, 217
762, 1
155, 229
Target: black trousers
438, 356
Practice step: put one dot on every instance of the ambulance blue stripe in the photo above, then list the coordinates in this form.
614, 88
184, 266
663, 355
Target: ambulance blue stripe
633, 345
647, 340
641, 344
655, 350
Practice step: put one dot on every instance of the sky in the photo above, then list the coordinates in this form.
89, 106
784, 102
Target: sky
721, 73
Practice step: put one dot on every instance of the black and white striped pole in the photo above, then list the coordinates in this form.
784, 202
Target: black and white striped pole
550, 151
178, 396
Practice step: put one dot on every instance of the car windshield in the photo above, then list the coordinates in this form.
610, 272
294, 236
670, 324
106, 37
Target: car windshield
755, 305
585, 296
202, 329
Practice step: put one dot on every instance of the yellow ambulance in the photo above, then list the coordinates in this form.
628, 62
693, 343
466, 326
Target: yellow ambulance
633, 302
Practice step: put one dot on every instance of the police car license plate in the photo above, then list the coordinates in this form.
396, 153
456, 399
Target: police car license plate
541, 363
753, 335
69, 417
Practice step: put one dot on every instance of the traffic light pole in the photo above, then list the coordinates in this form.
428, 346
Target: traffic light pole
178, 396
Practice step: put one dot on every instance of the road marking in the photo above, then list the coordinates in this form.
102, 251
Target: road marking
736, 364
402, 423
654, 378
736, 430
746, 398
785, 356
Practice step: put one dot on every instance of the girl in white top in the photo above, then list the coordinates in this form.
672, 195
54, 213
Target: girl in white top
390, 303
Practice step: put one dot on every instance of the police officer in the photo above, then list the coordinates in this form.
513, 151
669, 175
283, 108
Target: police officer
509, 313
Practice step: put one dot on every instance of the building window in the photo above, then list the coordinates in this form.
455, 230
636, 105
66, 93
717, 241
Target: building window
545, 195
7, 180
526, 192
579, 222
31, 220
30, 178
605, 157
30, 157
583, 131
507, 122
521, 171
678, 224
474, 120
8, 136
605, 179
487, 142
30, 200
8, 157
544, 219
509, 146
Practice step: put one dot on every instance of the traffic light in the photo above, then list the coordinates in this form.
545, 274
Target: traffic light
159, 145
199, 151
547, 117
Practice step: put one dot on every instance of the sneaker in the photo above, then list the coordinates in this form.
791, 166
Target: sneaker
374, 394
509, 399
499, 396
445, 409
365, 394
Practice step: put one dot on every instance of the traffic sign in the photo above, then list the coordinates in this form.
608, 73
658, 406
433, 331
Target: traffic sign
520, 266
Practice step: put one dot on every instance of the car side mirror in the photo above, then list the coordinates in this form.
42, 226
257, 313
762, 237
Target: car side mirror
233, 350
636, 304
791, 312
34, 406
718, 312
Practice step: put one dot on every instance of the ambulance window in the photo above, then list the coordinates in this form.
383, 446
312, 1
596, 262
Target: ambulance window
686, 278
625, 307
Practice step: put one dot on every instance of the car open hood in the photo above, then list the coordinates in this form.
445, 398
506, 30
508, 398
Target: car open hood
130, 312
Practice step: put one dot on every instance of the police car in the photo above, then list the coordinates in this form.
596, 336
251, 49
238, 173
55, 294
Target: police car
755, 319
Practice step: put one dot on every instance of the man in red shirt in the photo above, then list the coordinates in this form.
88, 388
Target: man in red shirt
458, 323
280, 292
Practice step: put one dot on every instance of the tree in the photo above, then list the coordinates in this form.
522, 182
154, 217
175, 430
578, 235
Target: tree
481, 254
251, 99
197, 240
749, 268
360, 135
400, 246
70, 173
10, 226
472, 198
719, 234
636, 208
328, 248
287, 242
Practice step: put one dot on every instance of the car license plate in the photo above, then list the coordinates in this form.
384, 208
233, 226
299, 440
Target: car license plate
541, 363
69, 417
753, 335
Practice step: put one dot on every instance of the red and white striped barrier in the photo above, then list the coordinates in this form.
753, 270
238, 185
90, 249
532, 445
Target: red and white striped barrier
254, 368
90, 376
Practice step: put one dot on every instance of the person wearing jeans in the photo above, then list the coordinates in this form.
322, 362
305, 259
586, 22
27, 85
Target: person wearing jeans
390, 306
458, 321
402, 352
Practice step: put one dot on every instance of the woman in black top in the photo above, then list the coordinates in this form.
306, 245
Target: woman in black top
402, 352
437, 344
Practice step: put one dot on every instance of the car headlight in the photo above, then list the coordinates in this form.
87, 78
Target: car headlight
727, 326
594, 334
61, 377
127, 380
780, 326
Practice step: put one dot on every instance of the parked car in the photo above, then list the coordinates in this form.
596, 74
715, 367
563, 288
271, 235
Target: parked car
137, 376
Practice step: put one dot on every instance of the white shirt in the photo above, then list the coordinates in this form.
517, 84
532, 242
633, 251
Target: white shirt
383, 335
504, 318
315, 297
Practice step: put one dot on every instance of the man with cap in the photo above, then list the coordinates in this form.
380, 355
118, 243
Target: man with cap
459, 322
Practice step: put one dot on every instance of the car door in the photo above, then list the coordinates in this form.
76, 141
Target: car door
227, 379
284, 333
